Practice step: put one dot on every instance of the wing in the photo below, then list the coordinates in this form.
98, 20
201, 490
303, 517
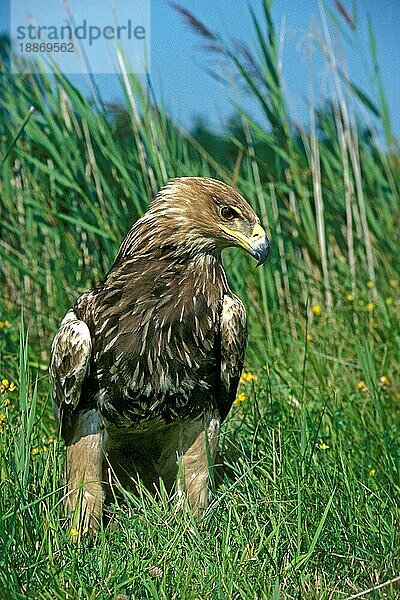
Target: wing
70, 356
233, 331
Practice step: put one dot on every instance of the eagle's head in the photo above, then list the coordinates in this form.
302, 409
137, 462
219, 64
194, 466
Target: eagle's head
200, 214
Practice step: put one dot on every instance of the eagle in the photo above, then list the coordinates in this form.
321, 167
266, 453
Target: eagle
145, 367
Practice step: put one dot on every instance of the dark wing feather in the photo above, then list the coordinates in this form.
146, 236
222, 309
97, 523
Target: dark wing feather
233, 346
70, 356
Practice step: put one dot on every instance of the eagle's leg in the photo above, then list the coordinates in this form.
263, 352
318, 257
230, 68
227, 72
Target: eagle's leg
196, 462
84, 437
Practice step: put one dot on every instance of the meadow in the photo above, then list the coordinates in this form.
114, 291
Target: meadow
305, 500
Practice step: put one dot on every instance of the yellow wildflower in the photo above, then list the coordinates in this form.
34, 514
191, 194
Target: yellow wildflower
35, 451
350, 297
4, 324
384, 381
362, 386
247, 377
310, 338
389, 300
372, 472
240, 398
370, 284
393, 283
316, 309
370, 307
74, 532
323, 446
5, 385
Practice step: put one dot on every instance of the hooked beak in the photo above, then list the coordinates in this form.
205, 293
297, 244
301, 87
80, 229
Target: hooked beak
257, 244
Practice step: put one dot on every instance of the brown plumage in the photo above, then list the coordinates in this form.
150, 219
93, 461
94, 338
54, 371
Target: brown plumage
147, 364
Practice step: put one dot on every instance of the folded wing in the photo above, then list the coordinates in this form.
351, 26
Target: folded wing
233, 345
69, 362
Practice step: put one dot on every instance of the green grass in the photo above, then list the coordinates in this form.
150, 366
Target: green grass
306, 504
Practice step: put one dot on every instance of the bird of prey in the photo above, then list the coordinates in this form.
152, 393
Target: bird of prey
145, 366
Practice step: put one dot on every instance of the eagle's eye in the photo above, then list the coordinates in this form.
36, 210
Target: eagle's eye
228, 213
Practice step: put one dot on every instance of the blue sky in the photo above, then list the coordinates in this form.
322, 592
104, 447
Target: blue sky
178, 63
